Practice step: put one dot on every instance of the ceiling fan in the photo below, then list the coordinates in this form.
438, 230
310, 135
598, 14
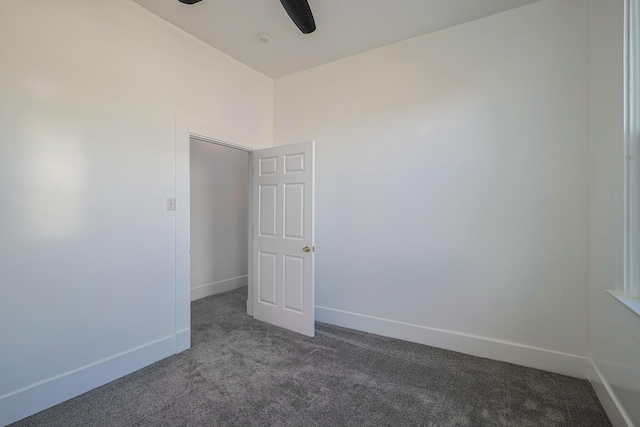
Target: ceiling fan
298, 10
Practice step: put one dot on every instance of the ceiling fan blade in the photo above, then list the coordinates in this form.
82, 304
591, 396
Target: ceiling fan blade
300, 13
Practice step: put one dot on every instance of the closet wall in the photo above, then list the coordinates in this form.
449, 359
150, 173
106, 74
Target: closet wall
219, 218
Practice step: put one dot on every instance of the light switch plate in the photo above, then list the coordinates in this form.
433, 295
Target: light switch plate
171, 204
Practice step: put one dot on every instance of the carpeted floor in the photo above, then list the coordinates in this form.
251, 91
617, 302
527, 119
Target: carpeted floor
241, 372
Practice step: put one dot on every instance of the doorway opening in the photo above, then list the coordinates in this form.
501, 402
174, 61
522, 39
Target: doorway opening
280, 191
220, 200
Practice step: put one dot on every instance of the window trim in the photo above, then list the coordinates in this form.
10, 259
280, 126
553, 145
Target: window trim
632, 304
631, 153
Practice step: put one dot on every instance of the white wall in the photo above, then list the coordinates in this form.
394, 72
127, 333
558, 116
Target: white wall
89, 97
219, 218
615, 330
453, 205
452, 188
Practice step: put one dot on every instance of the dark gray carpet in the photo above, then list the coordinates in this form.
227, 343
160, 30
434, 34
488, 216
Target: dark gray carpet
241, 372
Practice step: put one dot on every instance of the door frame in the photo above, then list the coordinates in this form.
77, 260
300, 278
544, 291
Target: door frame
185, 129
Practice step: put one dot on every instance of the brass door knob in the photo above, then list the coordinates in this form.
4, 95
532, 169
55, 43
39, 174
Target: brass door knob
306, 249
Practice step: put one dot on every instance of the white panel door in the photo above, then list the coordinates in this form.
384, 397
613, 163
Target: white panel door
283, 237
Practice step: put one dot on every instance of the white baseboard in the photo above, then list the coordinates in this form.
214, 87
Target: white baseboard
475, 345
42, 395
218, 287
617, 415
183, 340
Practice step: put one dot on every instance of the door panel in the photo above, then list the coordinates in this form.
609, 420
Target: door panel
268, 166
267, 279
294, 211
294, 163
282, 270
294, 283
267, 205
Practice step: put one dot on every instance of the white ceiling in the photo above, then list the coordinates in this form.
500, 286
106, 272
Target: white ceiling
344, 27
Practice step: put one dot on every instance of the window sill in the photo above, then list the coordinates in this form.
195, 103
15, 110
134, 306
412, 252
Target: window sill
631, 303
